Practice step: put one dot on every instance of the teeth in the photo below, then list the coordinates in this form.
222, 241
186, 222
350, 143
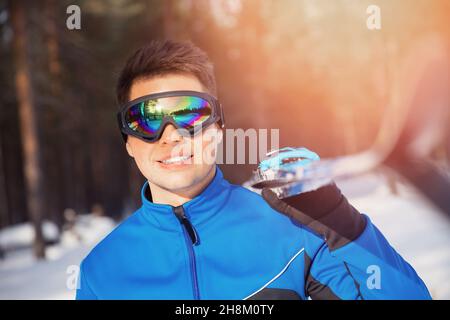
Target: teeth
175, 159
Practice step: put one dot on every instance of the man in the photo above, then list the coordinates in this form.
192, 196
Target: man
196, 236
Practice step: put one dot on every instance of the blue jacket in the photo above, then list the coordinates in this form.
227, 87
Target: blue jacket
228, 243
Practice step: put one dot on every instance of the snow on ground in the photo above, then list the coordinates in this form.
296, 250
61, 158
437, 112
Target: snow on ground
22, 235
21, 277
419, 232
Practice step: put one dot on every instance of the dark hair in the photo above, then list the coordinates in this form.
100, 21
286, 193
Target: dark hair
161, 57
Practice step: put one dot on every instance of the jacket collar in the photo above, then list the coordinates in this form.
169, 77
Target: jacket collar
198, 210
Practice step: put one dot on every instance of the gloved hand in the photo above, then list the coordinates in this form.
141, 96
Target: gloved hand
325, 210
299, 168
278, 161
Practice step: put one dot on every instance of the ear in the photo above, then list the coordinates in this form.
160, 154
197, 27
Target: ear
219, 135
129, 149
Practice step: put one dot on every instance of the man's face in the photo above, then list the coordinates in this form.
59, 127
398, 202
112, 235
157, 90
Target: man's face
175, 176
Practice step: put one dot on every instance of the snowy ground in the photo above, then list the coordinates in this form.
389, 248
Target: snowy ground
21, 277
418, 231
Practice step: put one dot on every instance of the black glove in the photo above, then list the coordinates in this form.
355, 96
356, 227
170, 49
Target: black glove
325, 210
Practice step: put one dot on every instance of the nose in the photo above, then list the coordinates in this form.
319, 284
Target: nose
170, 135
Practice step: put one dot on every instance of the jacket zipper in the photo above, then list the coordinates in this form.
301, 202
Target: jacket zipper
191, 238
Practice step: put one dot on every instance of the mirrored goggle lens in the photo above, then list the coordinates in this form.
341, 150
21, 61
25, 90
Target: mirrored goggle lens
187, 112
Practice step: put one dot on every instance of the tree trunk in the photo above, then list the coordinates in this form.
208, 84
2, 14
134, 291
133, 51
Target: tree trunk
4, 205
28, 126
55, 192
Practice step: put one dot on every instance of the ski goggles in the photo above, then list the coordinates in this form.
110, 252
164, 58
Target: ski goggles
147, 116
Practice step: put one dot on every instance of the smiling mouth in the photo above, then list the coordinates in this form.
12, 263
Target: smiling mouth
176, 160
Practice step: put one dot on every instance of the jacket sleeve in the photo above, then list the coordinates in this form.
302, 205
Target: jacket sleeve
346, 256
84, 291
